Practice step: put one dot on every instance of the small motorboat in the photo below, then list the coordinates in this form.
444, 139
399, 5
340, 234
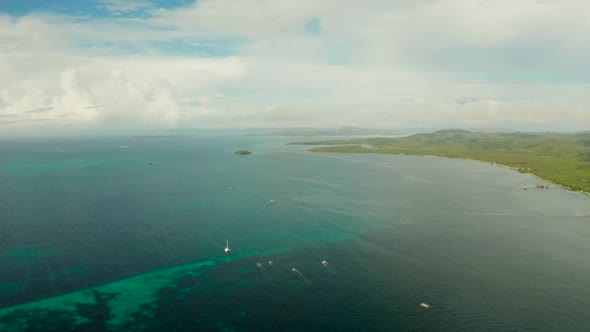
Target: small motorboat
227, 249
425, 305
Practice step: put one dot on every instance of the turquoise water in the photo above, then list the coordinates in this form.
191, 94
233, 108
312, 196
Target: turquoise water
127, 234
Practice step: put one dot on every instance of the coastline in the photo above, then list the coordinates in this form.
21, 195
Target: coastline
374, 150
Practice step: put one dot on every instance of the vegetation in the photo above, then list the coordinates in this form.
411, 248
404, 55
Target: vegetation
158, 136
560, 158
243, 152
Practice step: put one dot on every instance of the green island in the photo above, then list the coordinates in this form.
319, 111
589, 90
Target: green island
562, 158
243, 152
159, 136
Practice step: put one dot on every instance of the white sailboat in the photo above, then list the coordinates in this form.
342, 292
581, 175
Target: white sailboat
227, 249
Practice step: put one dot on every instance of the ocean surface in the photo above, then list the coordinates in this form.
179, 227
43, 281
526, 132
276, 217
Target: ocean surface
114, 233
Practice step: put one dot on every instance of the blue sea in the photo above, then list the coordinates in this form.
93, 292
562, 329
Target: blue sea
116, 233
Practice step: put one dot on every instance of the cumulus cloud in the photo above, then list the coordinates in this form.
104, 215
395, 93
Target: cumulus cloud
280, 63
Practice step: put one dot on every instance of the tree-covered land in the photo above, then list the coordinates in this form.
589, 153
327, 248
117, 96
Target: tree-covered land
159, 136
243, 152
557, 157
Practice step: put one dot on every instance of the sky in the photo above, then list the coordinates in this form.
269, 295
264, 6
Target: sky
70, 65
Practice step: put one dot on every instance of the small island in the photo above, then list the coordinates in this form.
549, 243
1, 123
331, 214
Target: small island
243, 152
159, 136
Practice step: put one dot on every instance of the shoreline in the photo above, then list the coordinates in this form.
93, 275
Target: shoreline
462, 158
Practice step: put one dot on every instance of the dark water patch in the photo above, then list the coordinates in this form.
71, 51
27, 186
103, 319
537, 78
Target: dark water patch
22, 254
9, 288
86, 317
97, 313
189, 282
40, 320
70, 273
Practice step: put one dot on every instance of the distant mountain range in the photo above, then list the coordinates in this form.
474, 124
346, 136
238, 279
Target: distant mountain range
342, 131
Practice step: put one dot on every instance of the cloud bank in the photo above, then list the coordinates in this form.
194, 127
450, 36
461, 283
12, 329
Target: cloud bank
262, 63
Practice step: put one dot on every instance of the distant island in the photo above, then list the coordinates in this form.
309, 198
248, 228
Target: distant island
342, 131
557, 157
243, 152
159, 136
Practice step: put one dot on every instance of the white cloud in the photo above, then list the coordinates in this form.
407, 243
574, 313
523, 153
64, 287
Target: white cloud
62, 84
369, 63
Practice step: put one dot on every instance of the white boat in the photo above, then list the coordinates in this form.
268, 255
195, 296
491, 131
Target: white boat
425, 305
227, 249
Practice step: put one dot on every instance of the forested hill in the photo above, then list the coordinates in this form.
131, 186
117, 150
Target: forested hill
563, 158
